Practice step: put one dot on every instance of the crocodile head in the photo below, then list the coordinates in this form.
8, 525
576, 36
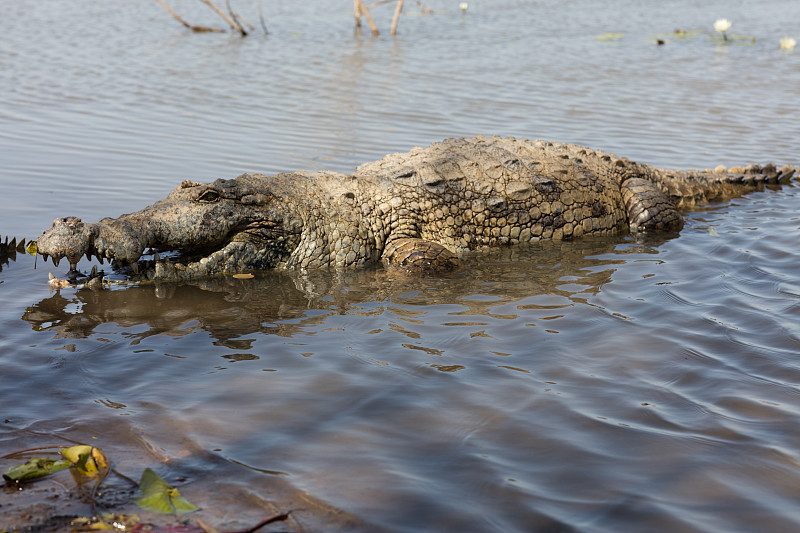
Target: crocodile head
199, 230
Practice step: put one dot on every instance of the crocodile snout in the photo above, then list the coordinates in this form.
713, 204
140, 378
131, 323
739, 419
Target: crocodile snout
68, 237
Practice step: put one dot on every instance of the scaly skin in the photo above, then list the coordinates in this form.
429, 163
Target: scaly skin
419, 210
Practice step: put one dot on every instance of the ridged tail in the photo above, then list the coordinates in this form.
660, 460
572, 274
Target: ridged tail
10, 249
689, 188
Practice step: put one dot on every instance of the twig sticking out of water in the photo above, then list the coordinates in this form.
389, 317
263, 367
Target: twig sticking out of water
261, 20
425, 9
233, 24
240, 20
192, 27
361, 8
396, 16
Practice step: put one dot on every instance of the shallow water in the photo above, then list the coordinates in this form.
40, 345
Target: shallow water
604, 384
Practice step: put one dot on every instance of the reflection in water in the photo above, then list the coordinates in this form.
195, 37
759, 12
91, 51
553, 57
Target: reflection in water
9, 250
288, 304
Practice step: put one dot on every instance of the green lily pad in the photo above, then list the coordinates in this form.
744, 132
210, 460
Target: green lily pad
35, 468
158, 497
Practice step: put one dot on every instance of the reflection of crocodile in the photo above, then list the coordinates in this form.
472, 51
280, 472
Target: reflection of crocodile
278, 302
9, 250
420, 209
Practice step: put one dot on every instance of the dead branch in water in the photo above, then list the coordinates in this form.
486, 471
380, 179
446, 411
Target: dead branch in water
261, 19
240, 20
425, 9
396, 16
233, 24
361, 8
192, 27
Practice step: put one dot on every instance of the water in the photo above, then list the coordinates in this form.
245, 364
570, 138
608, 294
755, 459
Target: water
617, 384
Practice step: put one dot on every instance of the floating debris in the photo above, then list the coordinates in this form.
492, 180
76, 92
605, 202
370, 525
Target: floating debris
56, 283
609, 37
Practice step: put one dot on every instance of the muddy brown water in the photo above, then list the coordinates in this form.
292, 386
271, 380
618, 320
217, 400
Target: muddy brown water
619, 384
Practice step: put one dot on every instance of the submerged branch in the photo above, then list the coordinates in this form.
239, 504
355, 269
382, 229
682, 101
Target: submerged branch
199, 29
276, 518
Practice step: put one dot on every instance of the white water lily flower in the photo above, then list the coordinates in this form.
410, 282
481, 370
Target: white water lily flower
722, 25
787, 43
463, 6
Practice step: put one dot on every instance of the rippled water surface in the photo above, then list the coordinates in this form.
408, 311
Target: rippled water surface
620, 384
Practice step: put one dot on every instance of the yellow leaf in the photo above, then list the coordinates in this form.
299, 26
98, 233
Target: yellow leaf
89, 461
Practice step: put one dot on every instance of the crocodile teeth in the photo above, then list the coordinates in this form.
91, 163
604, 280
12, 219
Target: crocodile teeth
56, 260
88, 256
44, 257
155, 256
73, 265
135, 268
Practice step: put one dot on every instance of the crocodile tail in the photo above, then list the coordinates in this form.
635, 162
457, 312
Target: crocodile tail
687, 188
10, 249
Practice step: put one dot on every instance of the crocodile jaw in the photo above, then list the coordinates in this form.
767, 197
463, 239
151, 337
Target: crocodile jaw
235, 257
253, 249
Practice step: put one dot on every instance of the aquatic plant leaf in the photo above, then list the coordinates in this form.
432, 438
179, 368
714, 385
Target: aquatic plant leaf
713, 232
35, 468
675, 36
609, 37
89, 461
31, 248
157, 496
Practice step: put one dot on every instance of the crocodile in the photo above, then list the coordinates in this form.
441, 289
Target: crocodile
418, 211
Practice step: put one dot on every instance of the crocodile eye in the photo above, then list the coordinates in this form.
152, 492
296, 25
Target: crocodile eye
208, 196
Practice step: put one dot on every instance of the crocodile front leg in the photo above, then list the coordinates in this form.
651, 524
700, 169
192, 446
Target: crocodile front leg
420, 256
